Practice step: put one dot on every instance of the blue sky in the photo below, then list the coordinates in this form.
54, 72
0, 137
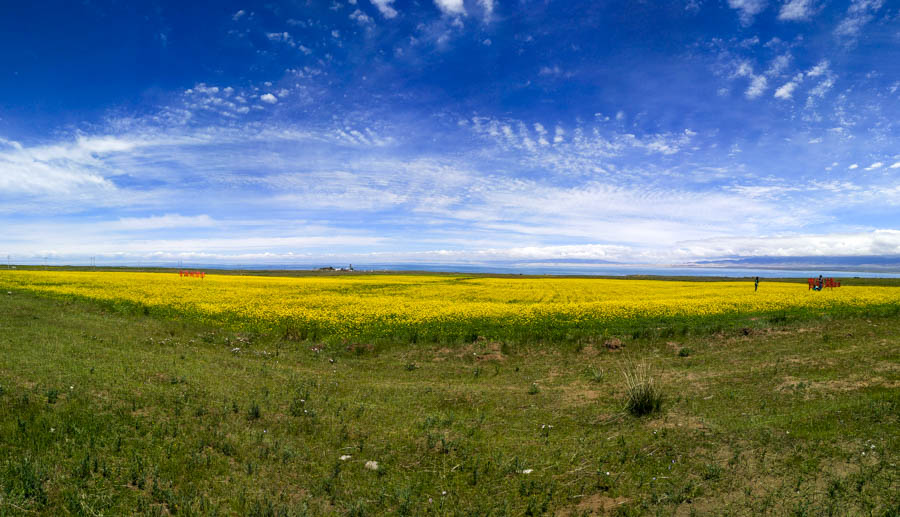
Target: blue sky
449, 130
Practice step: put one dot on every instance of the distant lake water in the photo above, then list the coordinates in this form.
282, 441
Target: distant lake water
575, 269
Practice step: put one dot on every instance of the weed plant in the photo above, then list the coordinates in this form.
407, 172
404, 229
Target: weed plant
642, 395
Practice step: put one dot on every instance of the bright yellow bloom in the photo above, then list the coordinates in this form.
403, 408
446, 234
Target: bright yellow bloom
372, 305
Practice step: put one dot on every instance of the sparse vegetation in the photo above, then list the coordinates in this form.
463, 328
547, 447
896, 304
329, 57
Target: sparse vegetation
153, 415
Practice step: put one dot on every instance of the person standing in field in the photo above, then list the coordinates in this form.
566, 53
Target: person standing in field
756, 285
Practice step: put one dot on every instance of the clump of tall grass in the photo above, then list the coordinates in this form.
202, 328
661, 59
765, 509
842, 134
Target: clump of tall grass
642, 395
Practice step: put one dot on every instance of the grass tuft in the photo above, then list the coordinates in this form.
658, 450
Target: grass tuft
254, 412
643, 396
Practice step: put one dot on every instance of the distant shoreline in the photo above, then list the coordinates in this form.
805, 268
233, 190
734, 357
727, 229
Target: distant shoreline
681, 272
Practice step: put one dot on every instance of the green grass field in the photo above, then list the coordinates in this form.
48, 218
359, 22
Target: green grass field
109, 413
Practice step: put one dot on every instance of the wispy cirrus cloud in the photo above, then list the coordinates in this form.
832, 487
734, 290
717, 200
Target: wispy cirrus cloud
387, 129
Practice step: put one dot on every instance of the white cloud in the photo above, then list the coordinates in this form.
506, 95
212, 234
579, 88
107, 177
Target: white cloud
859, 14
451, 7
747, 9
877, 242
895, 166
819, 69
542, 133
385, 7
336, 246
163, 221
876, 165
786, 91
854, 166
547, 70
268, 98
779, 64
796, 10
64, 169
115, 241
281, 37
583, 151
558, 135
758, 85
822, 88
488, 6
237, 16
360, 17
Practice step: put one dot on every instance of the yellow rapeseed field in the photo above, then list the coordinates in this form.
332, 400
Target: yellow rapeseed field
428, 306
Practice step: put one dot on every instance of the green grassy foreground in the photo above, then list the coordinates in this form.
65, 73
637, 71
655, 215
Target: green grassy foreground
105, 413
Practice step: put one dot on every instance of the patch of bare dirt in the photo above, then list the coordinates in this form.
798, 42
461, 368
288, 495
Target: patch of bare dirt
481, 349
677, 421
596, 504
837, 385
590, 350
579, 393
614, 344
360, 348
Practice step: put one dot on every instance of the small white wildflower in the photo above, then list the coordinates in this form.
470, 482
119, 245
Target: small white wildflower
52, 429
443, 492
871, 446
235, 350
607, 473
345, 457
527, 471
71, 388
372, 465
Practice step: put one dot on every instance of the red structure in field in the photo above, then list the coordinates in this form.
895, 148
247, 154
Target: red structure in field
197, 274
817, 284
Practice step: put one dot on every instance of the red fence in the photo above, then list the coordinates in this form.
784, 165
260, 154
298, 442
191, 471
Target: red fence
197, 274
817, 284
